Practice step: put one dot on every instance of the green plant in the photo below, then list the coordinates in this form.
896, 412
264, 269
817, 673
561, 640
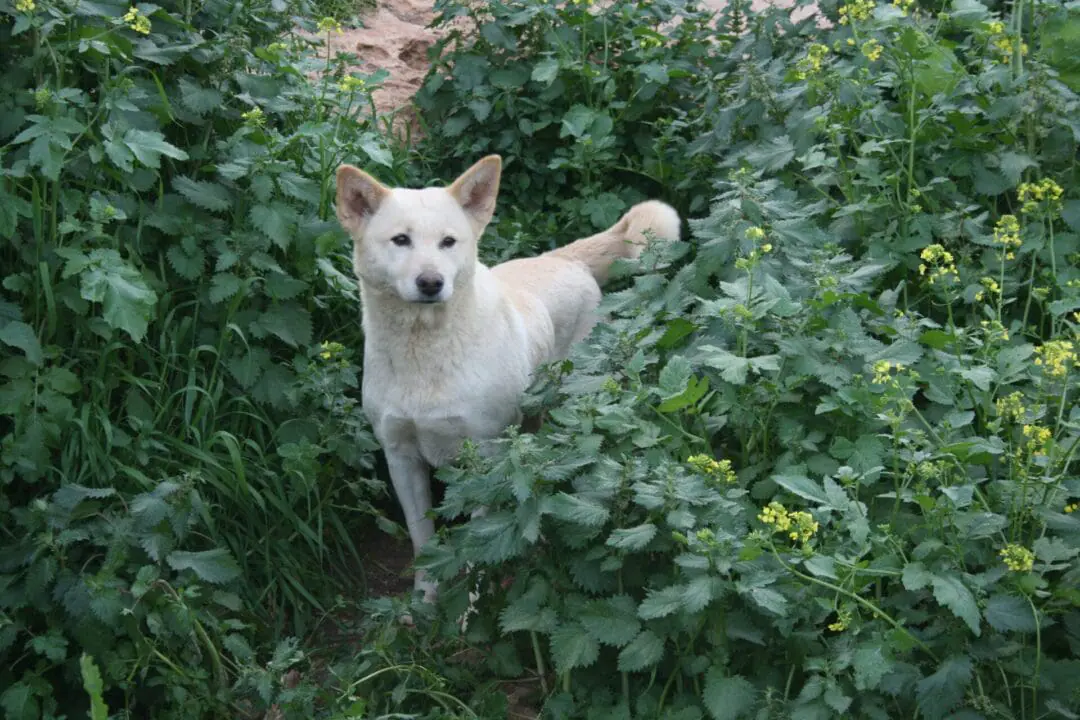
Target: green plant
822, 460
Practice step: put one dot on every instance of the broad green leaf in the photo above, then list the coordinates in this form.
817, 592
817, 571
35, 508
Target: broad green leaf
968, 12
273, 223
643, 652
203, 193
546, 70
916, 576
215, 566
20, 335
871, 666
632, 539
52, 645
953, 594
94, 687
290, 322
572, 647
727, 698
19, 702
612, 621
223, 285
943, 691
802, 486
661, 603
375, 149
575, 509
149, 146
1009, 613
577, 120
772, 155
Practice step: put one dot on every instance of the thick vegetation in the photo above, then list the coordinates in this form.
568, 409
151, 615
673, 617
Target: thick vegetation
821, 462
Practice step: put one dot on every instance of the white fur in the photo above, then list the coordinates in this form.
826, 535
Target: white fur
436, 373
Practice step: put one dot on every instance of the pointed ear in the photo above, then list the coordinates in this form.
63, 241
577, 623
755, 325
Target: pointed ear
477, 189
358, 197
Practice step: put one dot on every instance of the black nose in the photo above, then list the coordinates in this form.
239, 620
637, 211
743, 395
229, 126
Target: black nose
429, 284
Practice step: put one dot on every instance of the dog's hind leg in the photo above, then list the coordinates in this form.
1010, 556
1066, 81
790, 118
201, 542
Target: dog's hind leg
411, 477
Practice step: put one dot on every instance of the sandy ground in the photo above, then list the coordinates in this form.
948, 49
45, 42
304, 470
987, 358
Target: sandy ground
396, 37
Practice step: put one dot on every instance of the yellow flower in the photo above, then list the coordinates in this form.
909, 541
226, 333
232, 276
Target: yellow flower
1056, 357
775, 515
353, 84
328, 25
814, 60
904, 5
996, 27
872, 50
766, 248
25, 6
798, 525
805, 526
755, 233
856, 10
719, 470
254, 117
1011, 407
1007, 234
1017, 557
330, 350
137, 21
843, 619
1072, 507
883, 371
939, 262
1033, 195
1039, 439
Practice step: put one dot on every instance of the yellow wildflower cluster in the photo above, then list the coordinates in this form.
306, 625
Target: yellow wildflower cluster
755, 233
328, 25
939, 262
883, 371
1039, 439
330, 350
843, 619
990, 285
137, 21
42, 96
1017, 557
872, 49
1011, 407
25, 6
649, 41
1007, 234
799, 525
719, 470
1055, 357
254, 117
353, 84
856, 10
904, 5
586, 3
813, 62
993, 329
1033, 195
1004, 46
1072, 507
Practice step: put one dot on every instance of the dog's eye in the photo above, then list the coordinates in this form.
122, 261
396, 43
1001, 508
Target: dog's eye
448, 242
401, 240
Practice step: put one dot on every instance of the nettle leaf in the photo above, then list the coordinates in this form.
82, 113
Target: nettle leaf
661, 603
772, 155
916, 576
524, 616
632, 539
20, 702
199, 100
727, 698
188, 265
215, 566
290, 322
203, 193
871, 666
1009, 613
575, 509
52, 645
149, 146
699, 592
802, 486
953, 594
224, 285
572, 647
106, 278
643, 652
938, 694
273, 223
612, 621
674, 377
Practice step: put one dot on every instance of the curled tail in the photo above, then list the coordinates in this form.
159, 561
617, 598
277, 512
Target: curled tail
625, 239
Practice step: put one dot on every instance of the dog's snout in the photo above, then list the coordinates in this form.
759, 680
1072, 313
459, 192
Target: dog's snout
429, 284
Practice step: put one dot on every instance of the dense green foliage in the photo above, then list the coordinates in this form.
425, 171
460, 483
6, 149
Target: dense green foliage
820, 463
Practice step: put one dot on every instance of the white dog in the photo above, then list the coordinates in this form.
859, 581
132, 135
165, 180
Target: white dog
449, 344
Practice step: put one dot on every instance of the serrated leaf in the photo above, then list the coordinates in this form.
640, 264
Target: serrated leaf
148, 146
572, 647
52, 645
375, 149
772, 155
94, 687
698, 593
939, 693
20, 335
1009, 613
546, 70
661, 603
612, 621
19, 702
871, 666
525, 617
189, 266
643, 652
953, 594
632, 539
727, 698
273, 223
575, 509
915, 576
203, 193
289, 322
223, 285
213, 566
802, 486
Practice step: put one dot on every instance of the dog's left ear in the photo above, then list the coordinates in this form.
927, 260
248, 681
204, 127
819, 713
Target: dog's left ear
358, 197
477, 189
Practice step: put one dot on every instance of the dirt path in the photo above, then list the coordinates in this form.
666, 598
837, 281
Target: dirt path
396, 38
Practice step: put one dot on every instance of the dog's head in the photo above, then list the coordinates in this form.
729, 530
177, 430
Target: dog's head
417, 244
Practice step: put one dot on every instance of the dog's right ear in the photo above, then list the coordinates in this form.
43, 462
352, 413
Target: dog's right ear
358, 197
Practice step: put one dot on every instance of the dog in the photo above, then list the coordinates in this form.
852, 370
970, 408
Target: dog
450, 345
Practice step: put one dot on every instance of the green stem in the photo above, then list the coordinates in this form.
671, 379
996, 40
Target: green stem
541, 668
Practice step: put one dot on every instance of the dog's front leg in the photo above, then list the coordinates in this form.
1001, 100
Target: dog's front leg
411, 477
